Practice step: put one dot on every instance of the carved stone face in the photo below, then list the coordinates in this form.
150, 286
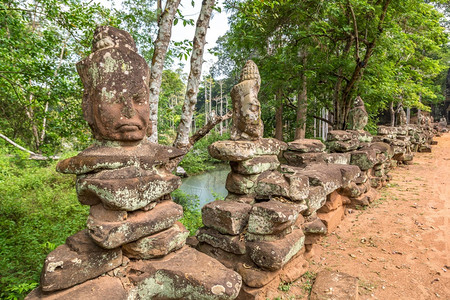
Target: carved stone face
115, 102
250, 108
121, 115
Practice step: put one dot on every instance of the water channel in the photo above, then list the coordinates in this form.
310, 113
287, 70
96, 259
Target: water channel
207, 185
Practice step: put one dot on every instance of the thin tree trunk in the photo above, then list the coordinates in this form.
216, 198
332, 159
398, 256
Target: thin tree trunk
221, 107
346, 100
392, 112
44, 121
182, 139
279, 117
302, 104
159, 56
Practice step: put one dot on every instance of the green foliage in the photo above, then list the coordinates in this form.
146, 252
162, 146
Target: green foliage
192, 218
38, 211
198, 159
348, 51
40, 93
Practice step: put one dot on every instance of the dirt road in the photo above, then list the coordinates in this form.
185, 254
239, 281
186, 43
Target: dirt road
399, 247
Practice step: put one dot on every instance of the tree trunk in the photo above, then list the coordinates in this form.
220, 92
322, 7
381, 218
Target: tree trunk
345, 100
182, 139
392, 112
302, 105
159, 56
279, 117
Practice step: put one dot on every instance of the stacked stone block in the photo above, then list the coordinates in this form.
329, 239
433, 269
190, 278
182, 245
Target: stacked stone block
372, 158
256, 230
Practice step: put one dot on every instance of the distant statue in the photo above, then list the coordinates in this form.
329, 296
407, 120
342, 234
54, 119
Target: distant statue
400, 115
424, 120
247, 123
358, 116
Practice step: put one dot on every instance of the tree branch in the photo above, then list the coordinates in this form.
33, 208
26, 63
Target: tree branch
213, 121
33, 155
325, 120
355, 26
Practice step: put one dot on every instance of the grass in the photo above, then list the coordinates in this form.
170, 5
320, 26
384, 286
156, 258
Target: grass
38, 211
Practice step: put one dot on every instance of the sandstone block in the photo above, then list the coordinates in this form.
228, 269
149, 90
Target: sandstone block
229, 243
272, 217
340, 146
78, 260
184, 274
241, 184
337, 158
256, 165
272, 183
274, 255
111, 235
244, 150
306, 145
299, 159
352, 190
227, 217
334, 201
339, 135
129, 188
158, 244
104, 287
314, 227
364, 159
332, 219
316, 199
249, 199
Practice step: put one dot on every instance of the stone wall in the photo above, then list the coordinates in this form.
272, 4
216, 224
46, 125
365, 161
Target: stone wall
284, 197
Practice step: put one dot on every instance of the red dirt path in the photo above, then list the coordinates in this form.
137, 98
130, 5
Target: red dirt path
399, 247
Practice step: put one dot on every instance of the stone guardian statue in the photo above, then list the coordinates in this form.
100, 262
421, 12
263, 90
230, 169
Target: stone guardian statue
247, 123
358, 116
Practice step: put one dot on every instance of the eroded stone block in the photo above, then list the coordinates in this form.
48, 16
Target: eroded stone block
256, 165
244, 150
274, 255
230, 243
78, 260
272, 217
228, 217
158, 244
111, 235
184, 274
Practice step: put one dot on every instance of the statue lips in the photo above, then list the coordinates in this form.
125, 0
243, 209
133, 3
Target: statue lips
127, 127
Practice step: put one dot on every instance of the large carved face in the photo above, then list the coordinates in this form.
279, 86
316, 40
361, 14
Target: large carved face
120, 115
115, 102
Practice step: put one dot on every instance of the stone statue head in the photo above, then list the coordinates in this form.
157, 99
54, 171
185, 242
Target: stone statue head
358, 102
116, 92
247, 123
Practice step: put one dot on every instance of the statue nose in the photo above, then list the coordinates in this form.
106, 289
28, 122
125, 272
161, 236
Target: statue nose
127, 109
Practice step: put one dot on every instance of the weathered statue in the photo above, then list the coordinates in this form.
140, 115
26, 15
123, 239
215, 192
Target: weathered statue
115, 79
357, 116
400, 115
247, 123
122, 170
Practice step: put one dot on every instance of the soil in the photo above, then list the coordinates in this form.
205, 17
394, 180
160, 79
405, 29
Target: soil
399, 246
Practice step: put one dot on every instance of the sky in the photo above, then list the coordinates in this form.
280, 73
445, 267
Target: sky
218, 26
